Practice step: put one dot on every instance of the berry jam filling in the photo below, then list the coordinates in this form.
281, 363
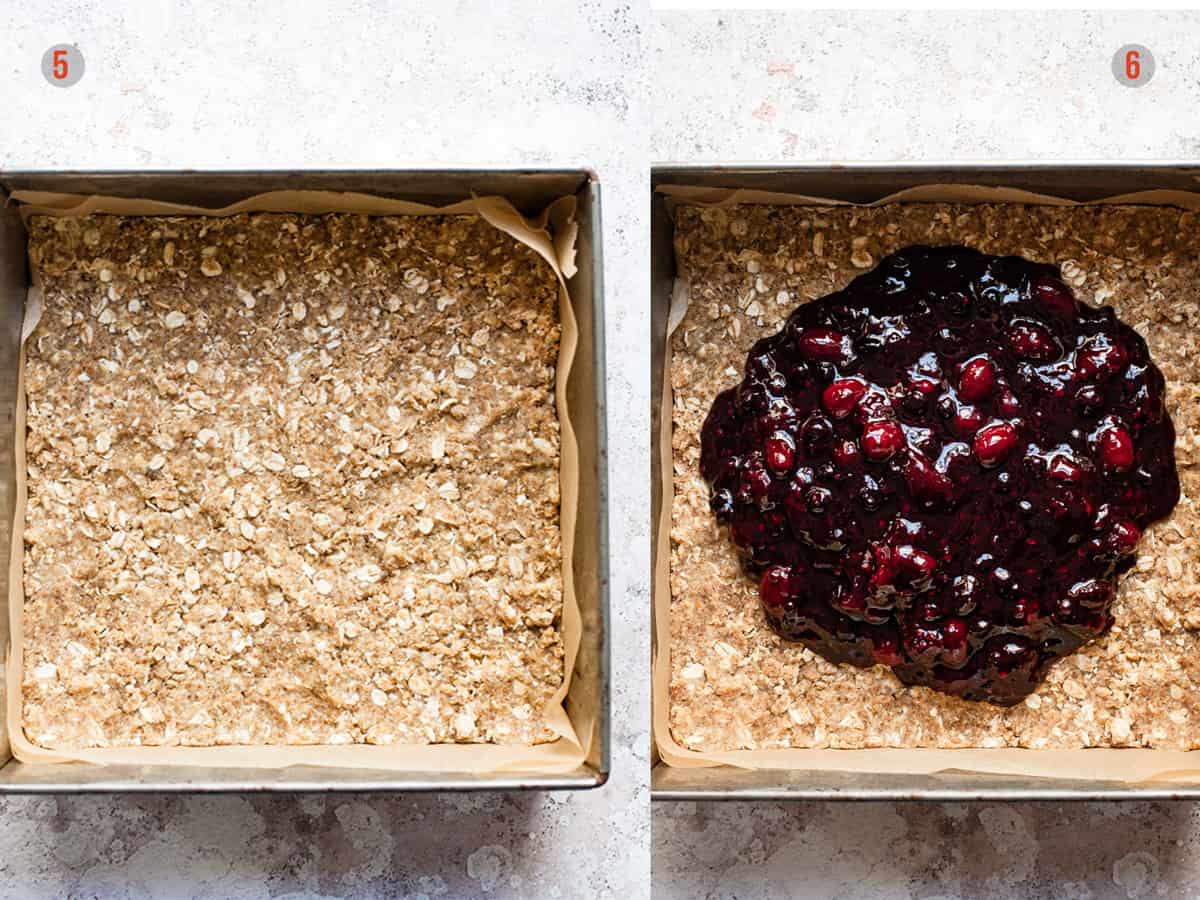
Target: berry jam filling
944, 468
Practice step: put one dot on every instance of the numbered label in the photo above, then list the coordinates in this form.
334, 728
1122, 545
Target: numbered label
1133, 65
62, 65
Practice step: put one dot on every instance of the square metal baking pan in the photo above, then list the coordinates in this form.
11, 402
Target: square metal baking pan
530, 191
863, 183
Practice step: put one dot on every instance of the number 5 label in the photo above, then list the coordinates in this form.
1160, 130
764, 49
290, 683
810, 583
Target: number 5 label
1133, 65
62, 65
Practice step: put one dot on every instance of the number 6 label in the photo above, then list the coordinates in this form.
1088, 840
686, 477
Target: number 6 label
62, 65
1133, 65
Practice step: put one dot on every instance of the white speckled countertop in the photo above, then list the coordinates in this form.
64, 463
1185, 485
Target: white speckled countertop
610, 86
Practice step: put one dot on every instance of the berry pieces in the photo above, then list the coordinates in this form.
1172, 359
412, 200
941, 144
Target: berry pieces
1032, 340
944, 468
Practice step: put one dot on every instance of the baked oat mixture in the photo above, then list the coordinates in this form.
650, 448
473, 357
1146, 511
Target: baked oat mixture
292, 480
734, 683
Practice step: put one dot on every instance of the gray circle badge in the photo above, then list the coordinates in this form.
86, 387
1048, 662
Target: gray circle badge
1133, 65
62, 65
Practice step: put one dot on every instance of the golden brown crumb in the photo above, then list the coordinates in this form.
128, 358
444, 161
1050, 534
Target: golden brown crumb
734, 683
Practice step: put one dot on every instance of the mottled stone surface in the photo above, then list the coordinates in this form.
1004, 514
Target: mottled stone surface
921, 86
314, 846
877, 850
934, 86
365, 85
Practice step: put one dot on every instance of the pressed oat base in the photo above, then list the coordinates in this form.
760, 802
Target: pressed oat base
734, 684
292, 480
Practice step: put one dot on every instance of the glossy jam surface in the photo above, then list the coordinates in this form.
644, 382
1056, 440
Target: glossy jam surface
944, 468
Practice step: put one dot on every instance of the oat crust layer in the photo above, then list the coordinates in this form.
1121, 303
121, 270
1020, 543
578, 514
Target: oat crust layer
292, 480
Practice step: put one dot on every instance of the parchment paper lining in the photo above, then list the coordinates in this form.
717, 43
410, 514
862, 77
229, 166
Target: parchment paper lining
551, 234
1096, 764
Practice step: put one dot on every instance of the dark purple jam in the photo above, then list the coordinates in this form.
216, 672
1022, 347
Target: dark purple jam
944, 468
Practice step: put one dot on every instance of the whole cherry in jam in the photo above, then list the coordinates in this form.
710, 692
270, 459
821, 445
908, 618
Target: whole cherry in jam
840, 398
822, 344
781, 452
881, 439
1116, 448
978, 379
944, 468
994, 443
